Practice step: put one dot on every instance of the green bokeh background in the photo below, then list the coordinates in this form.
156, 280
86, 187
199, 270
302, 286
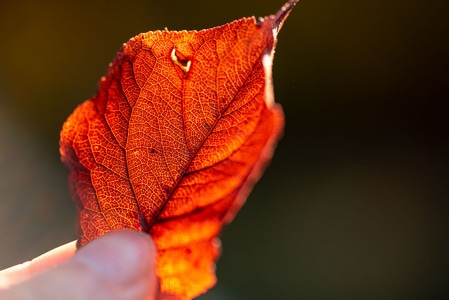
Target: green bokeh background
355, 202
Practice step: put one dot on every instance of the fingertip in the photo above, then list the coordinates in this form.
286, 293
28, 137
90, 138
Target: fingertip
125, 258
118, 265
119, 255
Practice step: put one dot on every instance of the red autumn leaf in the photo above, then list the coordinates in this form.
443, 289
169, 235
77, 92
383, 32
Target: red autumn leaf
180, 130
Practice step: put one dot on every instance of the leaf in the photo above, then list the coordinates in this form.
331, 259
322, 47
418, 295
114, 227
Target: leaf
180, 130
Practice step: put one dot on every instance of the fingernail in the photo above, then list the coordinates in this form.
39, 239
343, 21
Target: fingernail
121, 257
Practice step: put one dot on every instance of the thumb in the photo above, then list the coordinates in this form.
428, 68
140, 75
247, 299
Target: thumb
118, 265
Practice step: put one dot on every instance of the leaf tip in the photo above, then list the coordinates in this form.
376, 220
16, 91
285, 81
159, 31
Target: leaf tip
279, 18
283, 13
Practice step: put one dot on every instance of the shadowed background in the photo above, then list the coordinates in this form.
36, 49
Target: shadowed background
355, 202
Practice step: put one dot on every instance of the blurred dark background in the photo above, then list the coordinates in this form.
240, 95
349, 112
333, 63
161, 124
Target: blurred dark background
355, 202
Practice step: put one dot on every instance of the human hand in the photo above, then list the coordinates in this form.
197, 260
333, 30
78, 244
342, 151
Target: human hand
119, 265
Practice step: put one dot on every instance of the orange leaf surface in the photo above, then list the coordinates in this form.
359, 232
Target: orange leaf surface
180, 130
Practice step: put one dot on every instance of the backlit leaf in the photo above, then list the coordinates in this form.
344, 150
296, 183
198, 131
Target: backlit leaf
180, 130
